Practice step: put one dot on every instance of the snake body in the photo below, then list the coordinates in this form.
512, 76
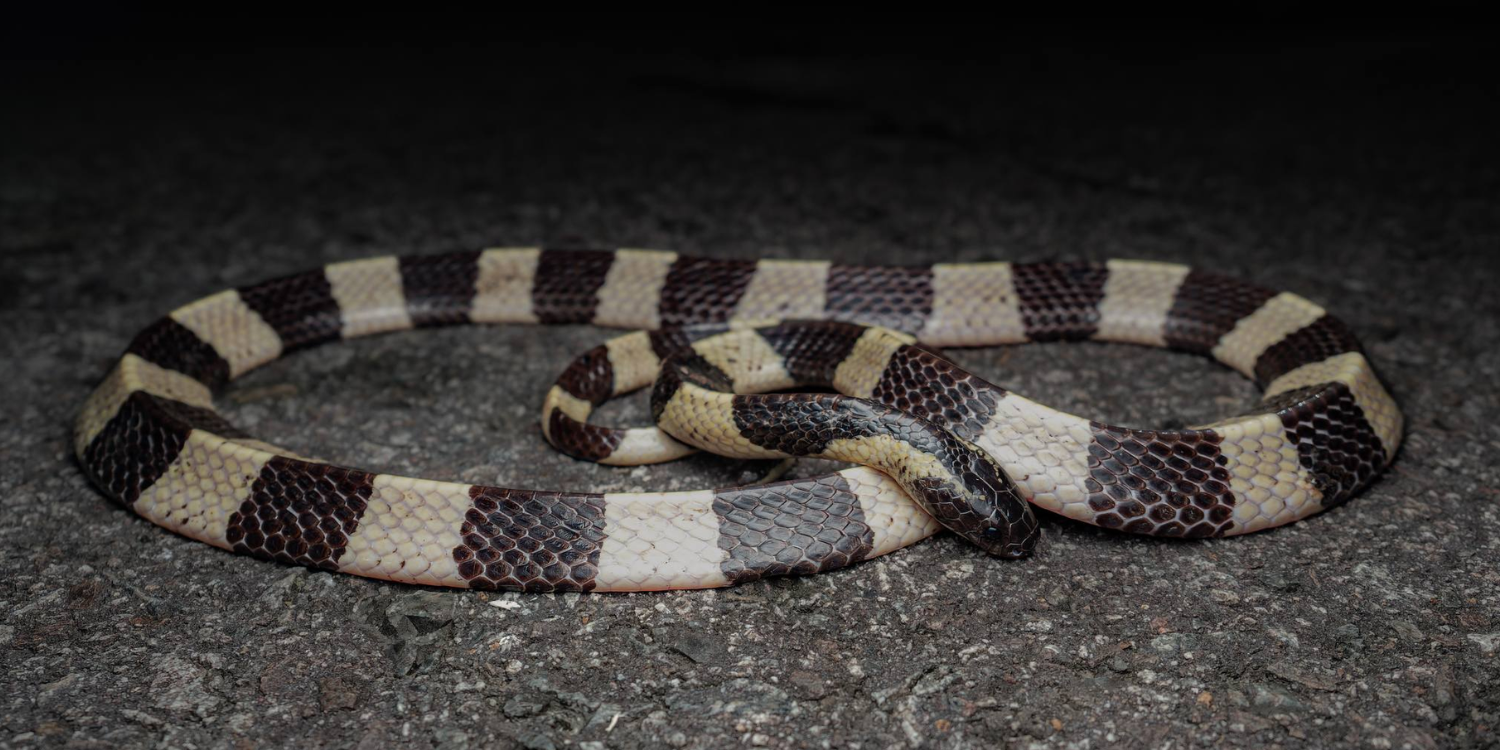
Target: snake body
955, 481
150, 439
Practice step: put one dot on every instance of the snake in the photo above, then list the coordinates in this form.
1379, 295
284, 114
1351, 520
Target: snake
720, 342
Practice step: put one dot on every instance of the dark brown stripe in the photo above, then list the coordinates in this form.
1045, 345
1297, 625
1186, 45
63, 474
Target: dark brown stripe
1335, 442
894, 297
197, 418
566, 289
1323, 338
686, 366
135, 448
1207, 307
439, 289
1059, 301
531, 541
668, 341
920, 382
301, 308
300, 512
790, 528
581, 440
1163, 483
803, 424
703, 290
813, 351
169, 344
590, 377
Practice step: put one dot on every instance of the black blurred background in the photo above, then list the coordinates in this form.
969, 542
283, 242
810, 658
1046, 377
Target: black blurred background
739, 135
1334, 102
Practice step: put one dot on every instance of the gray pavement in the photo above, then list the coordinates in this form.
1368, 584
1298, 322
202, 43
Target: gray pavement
1337, 174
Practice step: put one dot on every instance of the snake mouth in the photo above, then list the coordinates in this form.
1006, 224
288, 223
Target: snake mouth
1016, 550
1004, 544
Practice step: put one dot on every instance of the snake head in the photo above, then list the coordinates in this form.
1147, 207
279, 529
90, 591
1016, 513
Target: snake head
1011, 529
980, 503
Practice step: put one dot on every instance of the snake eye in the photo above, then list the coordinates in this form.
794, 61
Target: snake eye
991, 532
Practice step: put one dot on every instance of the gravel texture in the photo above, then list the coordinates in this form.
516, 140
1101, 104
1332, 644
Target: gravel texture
1361, 175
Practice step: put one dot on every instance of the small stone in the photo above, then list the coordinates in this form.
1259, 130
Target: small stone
178, 685
700, 648
140, 717
450, 738
59, 684
1169, 644
1224, 596
1308, 676
338, 693
537, 742
1242, 722
522, 705
1442, 689
1269, 700
420, 613
811, 685
934, 681
1279, 582
1406, 631
1058, 597
1488, 643
1118, 664
1285, 636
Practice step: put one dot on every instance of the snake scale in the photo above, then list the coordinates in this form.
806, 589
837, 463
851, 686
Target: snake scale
150, 439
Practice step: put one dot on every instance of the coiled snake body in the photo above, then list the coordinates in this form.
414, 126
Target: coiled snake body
149, 437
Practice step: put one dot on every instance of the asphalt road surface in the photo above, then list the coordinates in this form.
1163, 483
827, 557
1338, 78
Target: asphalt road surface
1360, 174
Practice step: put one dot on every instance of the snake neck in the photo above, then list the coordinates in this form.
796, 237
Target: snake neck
958, 483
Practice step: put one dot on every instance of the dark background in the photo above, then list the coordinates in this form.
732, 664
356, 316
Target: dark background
150, 158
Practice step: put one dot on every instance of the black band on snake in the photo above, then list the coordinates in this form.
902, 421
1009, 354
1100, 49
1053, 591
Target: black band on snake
946, 446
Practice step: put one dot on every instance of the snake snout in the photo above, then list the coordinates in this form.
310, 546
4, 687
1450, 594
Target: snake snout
1014, 542
1008, 528
1009, 539
1007, 547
